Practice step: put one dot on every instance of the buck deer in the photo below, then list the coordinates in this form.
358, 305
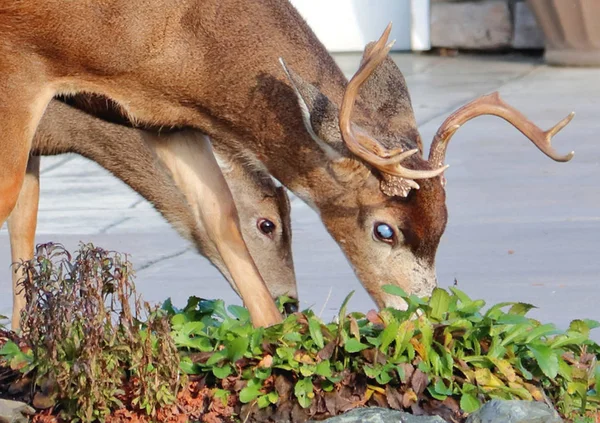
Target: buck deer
350, 150
132, 156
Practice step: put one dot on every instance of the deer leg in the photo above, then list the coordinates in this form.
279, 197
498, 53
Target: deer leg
22, 224
189, 156
23, 99
24, 96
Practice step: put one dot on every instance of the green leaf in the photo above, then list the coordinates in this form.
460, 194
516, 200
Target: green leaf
263, 401
256, 340
495, 311
316, 334
216, 358
354, 346
471, 308
192, 302
342, 313
236, 348
512, 319
439, 303
569, 338
304, 392
273, 397
388, 335
178, 319
524, 371
540, 332
249, 394
372, 371
384, 377
324, 368
293, 337
521, 308
439, 397
441, 388
394, 290
308, 370
469, 403
10, 349
188, 367
168, 307
546, 359
463, 298
513, 334
240, 313
222, 372
262, 373
579, 326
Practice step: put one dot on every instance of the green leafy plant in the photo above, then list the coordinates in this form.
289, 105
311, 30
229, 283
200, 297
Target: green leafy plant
442, 347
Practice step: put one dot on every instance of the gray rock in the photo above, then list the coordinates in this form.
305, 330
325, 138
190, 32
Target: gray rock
497, 411
380, 415
14, 412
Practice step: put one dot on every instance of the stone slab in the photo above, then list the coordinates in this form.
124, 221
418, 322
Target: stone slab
477, 25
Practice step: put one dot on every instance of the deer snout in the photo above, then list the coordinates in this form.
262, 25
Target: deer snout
291, 307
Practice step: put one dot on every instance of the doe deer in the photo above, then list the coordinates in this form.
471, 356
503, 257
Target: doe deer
350, 150
132, 155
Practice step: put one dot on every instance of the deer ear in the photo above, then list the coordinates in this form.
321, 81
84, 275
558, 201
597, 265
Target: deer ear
319, 114
386, 101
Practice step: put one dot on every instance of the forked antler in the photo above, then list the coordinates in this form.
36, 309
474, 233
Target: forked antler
362, 144
492, 104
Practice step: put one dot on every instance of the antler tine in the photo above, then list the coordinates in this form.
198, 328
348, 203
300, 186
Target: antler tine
381, 43
492, 104
362, 144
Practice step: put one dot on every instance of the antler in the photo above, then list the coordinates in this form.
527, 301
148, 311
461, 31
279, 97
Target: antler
357, 140
492, 104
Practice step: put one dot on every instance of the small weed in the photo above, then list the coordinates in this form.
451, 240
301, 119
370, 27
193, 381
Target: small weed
89, 350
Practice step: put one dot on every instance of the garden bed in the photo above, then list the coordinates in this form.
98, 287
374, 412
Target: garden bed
92, 350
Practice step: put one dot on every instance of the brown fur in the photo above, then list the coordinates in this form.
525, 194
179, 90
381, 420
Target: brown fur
213, 65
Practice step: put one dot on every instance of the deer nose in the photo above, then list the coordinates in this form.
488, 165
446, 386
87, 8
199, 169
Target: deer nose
291, 307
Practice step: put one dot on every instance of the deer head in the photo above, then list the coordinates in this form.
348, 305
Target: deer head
385, 187
265, 220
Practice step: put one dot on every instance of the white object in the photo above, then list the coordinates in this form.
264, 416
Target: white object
348, 25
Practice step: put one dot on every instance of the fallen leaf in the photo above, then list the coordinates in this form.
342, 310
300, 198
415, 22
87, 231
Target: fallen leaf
394, 397
373, 317
266, 362
409, 398
419, 381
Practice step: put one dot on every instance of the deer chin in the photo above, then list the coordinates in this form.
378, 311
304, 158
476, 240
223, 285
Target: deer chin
414, 275
415, 278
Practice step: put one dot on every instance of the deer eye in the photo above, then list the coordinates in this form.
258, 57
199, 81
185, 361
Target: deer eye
384, 232
266, 227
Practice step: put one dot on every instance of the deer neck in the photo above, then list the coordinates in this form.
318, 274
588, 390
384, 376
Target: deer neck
259, 108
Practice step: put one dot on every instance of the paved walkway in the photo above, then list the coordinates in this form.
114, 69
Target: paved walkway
521, 226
